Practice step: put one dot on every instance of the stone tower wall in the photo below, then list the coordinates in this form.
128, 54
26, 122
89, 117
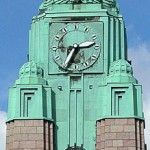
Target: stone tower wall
120, 134
29, 135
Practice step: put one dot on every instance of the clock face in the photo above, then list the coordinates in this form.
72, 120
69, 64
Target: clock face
75, 47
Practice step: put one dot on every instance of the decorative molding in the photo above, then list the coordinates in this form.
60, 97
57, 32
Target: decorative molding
72, 1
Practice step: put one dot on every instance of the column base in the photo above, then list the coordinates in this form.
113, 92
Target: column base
120, 134
29, 134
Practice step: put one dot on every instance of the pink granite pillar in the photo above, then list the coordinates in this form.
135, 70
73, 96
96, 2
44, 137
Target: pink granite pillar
29, 134
120, 134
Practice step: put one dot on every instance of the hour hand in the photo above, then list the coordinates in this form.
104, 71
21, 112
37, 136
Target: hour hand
69, 57
86, 44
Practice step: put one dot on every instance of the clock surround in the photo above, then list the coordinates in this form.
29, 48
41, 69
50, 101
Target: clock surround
65, 35
75, 34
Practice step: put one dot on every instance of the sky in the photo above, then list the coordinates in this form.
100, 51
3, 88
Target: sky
15, 21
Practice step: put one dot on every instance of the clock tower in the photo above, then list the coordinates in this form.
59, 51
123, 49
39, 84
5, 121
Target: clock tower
77, 91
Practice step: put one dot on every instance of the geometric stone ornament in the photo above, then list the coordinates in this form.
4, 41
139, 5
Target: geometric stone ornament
120, 100
111, 5
80, 1
30, 90
120, 71
31, 69
31, 73
30, 102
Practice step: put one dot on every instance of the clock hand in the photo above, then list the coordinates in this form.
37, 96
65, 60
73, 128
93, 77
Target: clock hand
86, 44
75, 46
69, 57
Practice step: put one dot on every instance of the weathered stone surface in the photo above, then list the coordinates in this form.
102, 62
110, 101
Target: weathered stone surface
131, 143
123, 136
17, 130
38, 123
39, 130
117, 143
20, 137
39, 144
122, 148
27, 144
29, 123
121, 121
35, 137
109, 136
129, 128
132, 148
109, 121
117, 128
28, 130
109, 143
107, 129
16, 144
19, 123
120, 134
131, 121
111, 148
29, 135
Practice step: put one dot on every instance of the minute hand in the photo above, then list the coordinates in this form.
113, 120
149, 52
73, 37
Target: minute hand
86, 44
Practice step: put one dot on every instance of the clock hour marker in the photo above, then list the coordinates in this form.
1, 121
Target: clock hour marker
57, 58
64, 30
94, 37
96, 46
86, 29
54, 48
86, 64
57, 37
76, 67
76, 26
94, 57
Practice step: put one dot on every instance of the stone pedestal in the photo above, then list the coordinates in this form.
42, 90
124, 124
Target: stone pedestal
29, 135
120, 134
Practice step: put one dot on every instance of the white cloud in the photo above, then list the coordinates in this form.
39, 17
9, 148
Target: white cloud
2, 130
140, 56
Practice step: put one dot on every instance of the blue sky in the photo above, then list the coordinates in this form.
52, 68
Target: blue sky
15, 23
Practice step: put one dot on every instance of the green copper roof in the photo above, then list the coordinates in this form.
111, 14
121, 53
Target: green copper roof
31, 73
120, 71
31, 69
121, 67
